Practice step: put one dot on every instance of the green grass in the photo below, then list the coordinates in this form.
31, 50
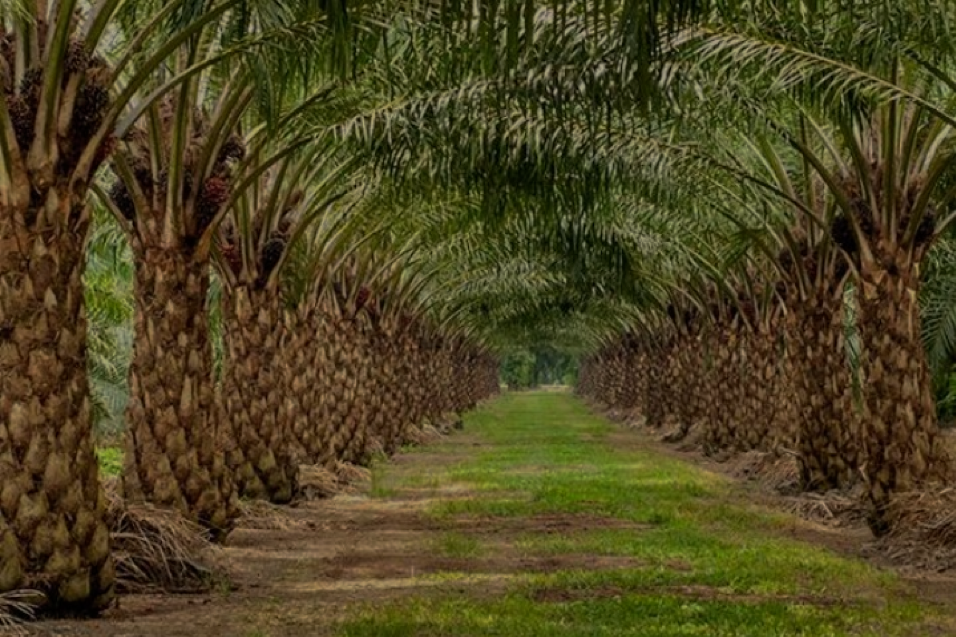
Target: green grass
378, 489
703, 560
111, 461
457, 545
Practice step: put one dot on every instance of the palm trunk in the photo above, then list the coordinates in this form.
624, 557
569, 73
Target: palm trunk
823, 387
310, 385
299, 380
360, 405
688, 385
253, 393
654, 388
782, 431
903, 449
52, 509
173, 453
756, 378
345, 384
672, 396
710, 404
721, 429
415, 393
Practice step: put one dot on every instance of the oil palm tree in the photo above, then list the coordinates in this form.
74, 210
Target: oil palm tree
182, 164
62, 96
253, 245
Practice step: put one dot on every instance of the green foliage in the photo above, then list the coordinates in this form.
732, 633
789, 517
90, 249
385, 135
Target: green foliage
538, 365
110, 460
517, 369
109, 308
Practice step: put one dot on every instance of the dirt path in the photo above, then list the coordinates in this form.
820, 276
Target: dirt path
327, 555
326, 561
297, 578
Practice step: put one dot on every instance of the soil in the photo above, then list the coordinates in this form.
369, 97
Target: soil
299, 569
303, 568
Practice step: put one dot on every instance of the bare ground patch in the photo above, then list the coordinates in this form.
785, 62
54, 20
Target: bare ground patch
545, 524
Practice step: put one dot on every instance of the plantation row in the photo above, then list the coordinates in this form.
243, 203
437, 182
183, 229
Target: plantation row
256, 234
331, 382
784, 380
144, 125
336, 380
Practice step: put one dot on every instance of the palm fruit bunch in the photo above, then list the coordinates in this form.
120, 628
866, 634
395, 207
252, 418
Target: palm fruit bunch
841, 231
272, 253
123, 200
926, 228
120, 194
229, 246
361, 299
216, 189
212, 197
232, 149
85, 74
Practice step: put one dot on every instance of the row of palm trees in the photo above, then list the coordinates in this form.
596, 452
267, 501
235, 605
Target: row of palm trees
213, 160
750, 258
804, 336
385, 192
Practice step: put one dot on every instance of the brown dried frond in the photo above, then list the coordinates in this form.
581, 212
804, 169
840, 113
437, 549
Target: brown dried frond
265, 516
317, 482
422, 435
157, 549
923, 529
832, 509
17, 607
348, 473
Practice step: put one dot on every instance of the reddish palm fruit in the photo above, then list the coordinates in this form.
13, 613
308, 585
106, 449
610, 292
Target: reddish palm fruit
215, 193
362, 298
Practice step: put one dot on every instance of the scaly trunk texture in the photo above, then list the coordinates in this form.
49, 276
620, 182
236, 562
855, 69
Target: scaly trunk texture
828, 456
782, 431
386, 407
639, 407
53, 536
310, 387
721, 429
903, 449
174, 456
362, 401
672, 395
253, 393
709, 403
342, 389
298, 379
689, 384
654, 389
757, 375
414, 389
632, 386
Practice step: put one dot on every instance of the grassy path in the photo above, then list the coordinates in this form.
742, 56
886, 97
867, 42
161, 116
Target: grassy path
539, 519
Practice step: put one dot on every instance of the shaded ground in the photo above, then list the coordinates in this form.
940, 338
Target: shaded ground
542, 520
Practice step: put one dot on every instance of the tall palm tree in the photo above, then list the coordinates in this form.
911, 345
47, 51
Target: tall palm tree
254, 243
61, 99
